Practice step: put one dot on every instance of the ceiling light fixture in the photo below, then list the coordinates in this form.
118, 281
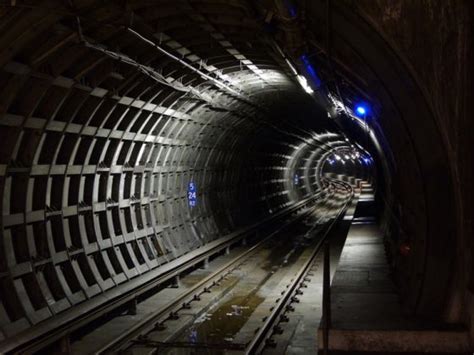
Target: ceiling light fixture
304, 84
362, 110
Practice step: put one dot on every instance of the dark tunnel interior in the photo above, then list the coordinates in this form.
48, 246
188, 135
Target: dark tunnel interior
135, 132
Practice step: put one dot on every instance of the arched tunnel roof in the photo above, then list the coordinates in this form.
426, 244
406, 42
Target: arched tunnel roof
111, 110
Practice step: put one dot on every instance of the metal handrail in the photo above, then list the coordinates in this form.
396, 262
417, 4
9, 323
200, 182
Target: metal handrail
264, 332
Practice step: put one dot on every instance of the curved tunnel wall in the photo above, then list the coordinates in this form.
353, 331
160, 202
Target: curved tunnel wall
89, 207
102, 132
442, 33
377, 45
97, 156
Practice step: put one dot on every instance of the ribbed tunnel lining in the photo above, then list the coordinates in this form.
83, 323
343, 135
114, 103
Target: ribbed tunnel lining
98, 154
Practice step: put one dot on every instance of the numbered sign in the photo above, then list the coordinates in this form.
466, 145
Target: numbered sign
192, 194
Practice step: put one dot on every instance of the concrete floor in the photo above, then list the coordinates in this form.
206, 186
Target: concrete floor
366, 313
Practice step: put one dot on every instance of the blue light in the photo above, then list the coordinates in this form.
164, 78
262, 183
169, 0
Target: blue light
311, 71
361, 110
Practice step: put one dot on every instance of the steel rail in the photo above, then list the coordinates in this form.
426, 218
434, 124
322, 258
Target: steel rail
265, 332
149, 323
37, 338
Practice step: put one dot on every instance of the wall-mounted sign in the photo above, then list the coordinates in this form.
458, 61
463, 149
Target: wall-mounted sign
296, 179
192, 194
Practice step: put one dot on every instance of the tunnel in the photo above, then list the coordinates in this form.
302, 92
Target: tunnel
136, 134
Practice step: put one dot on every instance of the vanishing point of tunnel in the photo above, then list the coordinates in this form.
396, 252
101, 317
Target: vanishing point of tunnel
236, 177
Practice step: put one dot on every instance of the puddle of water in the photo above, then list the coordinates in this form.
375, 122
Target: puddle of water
226, 321
221, 325
218, 327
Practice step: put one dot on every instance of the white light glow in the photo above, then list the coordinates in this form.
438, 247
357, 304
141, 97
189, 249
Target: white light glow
293, 69
304, 84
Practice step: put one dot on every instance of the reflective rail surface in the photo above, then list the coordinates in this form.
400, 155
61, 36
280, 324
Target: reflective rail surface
138, 334
277, 315
154, 320
53, 330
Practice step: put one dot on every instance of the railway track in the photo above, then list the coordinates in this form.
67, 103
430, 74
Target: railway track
285, 304
157, 319
137, 337
67, 323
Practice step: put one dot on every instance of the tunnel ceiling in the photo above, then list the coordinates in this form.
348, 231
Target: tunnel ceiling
111, 110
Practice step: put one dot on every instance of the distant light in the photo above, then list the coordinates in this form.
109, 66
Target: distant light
304, 84
361, 110
311, 71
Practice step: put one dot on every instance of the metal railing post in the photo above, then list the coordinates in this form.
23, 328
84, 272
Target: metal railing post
326, 298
